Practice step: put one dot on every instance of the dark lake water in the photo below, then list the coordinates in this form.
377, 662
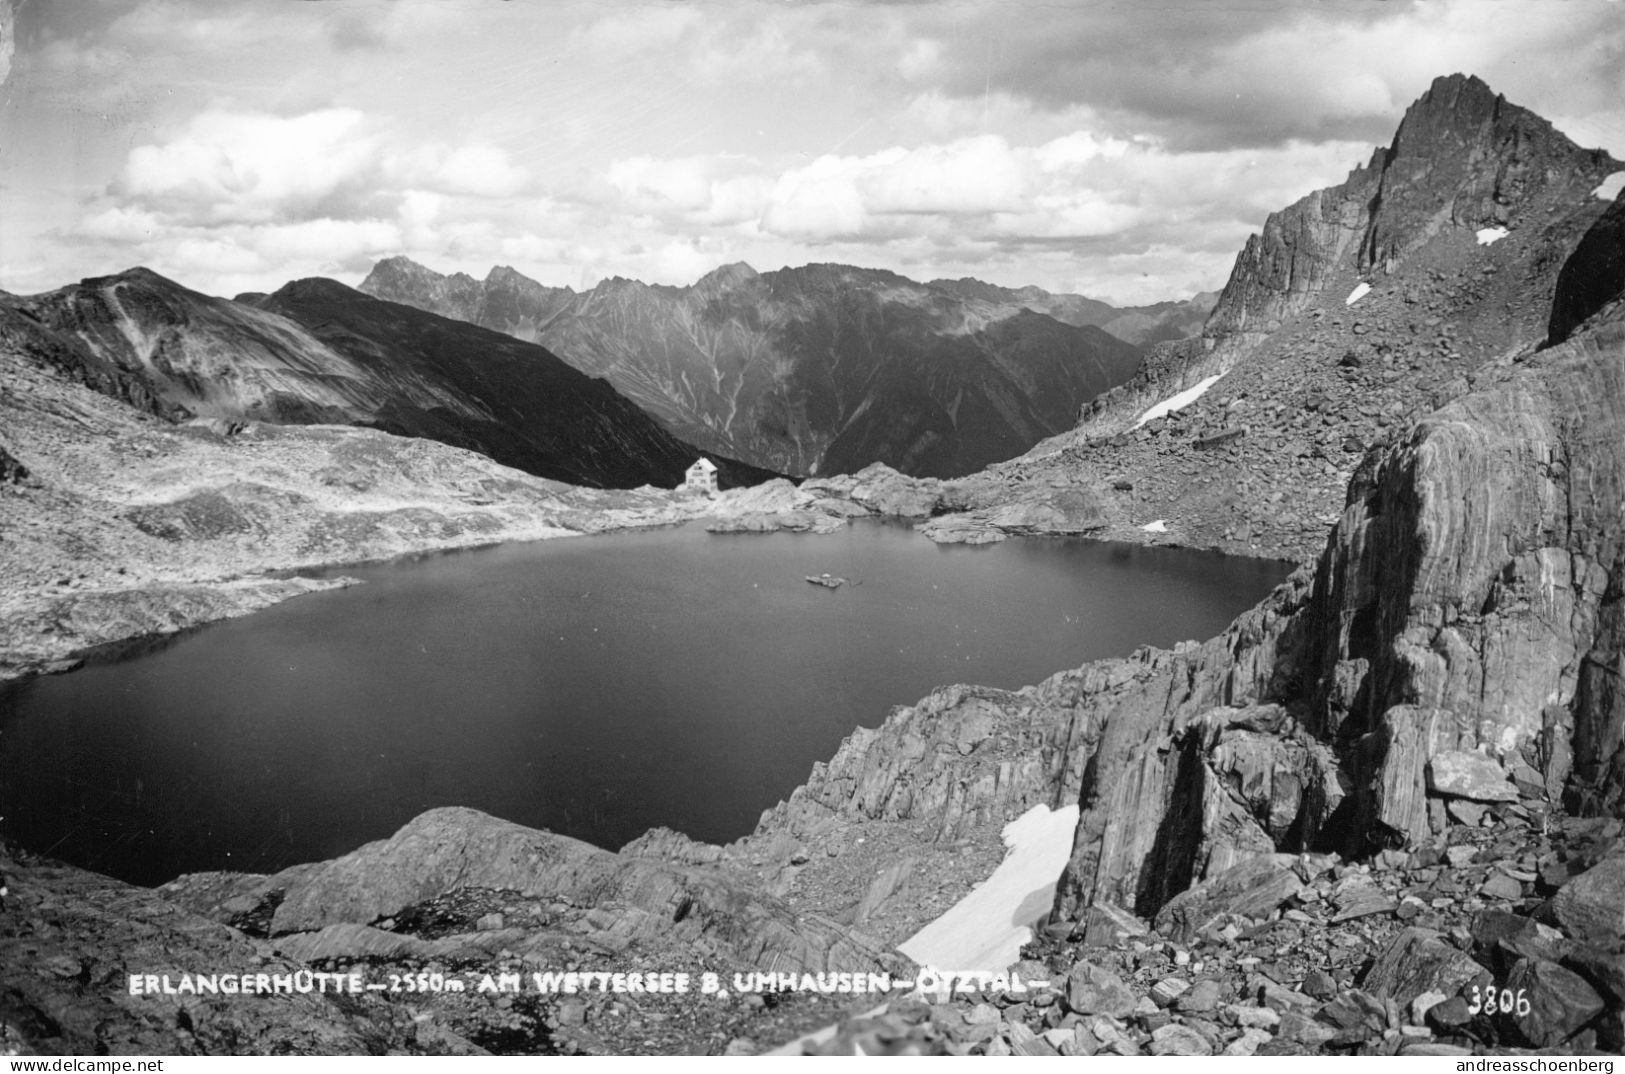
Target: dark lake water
594, 687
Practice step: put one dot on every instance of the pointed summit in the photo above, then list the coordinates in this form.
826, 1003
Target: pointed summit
1464, 155
726, 277
1463, 158
400, 279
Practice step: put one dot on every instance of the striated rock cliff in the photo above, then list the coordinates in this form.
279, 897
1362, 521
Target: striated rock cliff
1593, 276
822, 369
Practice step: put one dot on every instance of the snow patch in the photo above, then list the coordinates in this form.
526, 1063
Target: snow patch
1487, 235
1159, 526
1358, 293
1178, 402
1611, 186
986, 930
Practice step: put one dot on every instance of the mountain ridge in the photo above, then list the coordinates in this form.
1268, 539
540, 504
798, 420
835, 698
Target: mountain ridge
794, 368
317, 351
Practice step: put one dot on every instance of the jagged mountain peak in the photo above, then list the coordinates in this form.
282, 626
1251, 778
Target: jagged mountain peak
1463, 159
1461, 106
402, 271
401, 266
1466, 156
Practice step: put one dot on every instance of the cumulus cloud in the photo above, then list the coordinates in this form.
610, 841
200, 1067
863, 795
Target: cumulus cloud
719, 189
1219, 75
254, 168
483, 171
248, 197
245, 168
1076, 186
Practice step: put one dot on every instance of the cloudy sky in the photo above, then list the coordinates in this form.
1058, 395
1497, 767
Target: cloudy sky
1123, 150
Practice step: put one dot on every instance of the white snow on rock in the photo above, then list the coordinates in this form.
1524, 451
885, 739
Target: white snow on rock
1487, 235
1159, 526
986, 930
1178, 402
1611, 186
1358, 293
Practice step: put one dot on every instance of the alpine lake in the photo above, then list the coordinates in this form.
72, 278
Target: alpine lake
594, 687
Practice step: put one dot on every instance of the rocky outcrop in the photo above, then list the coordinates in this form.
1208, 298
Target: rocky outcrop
816, 370
1593, 276
699, 914
70, 941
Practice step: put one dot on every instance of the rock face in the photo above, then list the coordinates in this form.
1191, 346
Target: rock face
319, 352
1593, 276
816, 370
1460, 607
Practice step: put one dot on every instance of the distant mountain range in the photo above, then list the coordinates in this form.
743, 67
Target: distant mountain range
820, 369
318, 352
1140, 325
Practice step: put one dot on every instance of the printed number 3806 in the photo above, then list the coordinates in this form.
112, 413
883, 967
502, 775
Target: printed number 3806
1503, 1000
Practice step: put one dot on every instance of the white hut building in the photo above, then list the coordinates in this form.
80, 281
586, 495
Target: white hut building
702, 476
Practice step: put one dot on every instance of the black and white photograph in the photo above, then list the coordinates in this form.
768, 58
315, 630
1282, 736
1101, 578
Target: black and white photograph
812, 527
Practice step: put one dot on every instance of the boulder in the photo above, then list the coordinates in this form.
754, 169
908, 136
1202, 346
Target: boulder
1176, 1039
1107, 925
1092, 989
1560, 1002
1591, 906
1251, 889
1462, 774
1419, 960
